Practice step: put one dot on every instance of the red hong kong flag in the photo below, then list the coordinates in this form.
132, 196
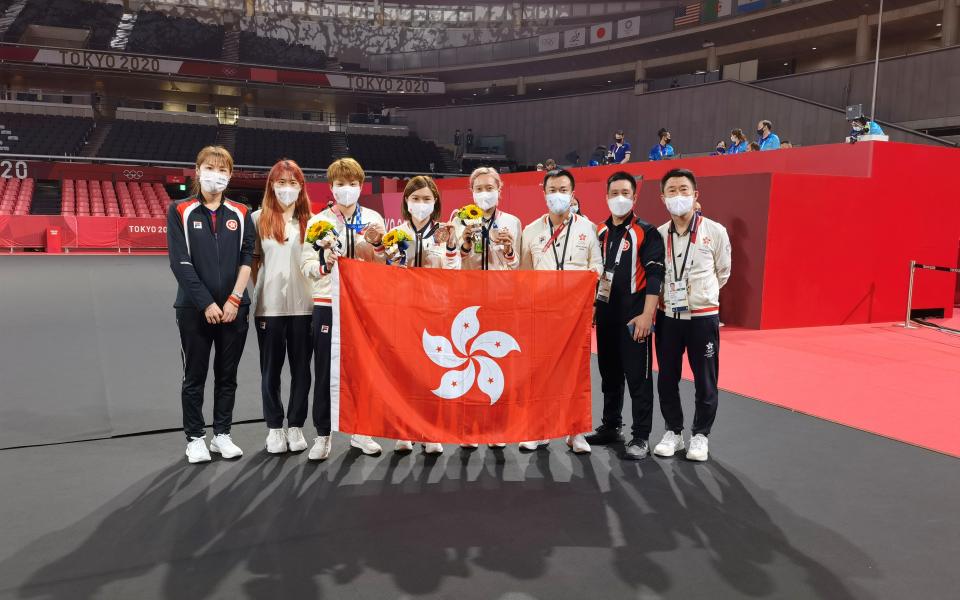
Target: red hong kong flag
460, 356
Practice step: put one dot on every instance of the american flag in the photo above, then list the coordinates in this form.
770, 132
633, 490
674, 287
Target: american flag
687, 15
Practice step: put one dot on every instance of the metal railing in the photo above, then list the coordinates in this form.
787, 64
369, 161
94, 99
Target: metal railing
842, 111
914, 265
310, 171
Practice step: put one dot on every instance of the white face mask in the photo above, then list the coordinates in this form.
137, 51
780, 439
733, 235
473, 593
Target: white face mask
620, 205
346, 195
679, 205
287, 195
213, 182
558, 203
486, 200
420, 211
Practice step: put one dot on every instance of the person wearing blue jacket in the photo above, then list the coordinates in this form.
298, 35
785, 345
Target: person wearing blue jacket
863, 126
738, 142
662, 150
766, 138
210, 241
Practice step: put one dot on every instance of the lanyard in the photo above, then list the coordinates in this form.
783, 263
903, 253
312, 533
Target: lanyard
553, 238
422, 234
609, 241
691, 233
484, 239
353, 225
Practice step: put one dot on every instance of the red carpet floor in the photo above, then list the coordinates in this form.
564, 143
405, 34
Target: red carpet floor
899, 383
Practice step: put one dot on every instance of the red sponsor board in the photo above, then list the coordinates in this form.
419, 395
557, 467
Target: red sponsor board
141, 233
29, 231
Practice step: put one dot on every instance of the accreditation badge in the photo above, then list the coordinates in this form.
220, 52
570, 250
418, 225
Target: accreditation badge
605, 286
677, 296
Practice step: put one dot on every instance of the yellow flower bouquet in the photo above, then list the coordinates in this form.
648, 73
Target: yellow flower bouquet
318, 231
395, 244
471, 214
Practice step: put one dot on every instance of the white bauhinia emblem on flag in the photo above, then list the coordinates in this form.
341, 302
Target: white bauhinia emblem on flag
495, 344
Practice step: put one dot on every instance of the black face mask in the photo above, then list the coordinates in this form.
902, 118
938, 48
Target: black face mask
618, 139
760, 131
666, 140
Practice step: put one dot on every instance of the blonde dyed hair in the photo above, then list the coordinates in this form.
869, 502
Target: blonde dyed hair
486, 171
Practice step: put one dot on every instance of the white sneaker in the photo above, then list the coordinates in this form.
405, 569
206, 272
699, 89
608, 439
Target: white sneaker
496, 445
699, 448
432, 448
403, 446
197, 451
223, 445
469, 446
366, 444
578, 444
320, 449
531, 446
276, 441
670, 444
295, 439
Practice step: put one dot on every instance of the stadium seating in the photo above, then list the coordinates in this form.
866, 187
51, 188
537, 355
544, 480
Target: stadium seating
100, 18
15, 196
394, 153
43, 134
255, 49
146, 140
104, 198
157, 33
265, 147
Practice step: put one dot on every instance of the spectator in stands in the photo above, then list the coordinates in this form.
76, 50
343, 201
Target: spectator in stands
540, 167
468, 140
210, 242
627, 297
457, 137
863, 126
662, 150
720, 149
753, 147
550, 165
738, 142
546, 246
697, 266
359, 231
785, 144
283, 304
766, 138
619, 151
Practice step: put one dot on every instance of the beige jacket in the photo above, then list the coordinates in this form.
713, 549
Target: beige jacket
582, 248
707, 270
349, 243
281, 289
432, 254
496, 260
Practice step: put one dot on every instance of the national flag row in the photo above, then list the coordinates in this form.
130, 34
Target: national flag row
687, 14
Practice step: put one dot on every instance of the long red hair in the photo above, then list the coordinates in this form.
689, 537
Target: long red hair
271, 223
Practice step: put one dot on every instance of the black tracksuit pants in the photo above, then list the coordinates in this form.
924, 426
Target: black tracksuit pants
700, 339
196, 338
620, 358
322, 321
279, 336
